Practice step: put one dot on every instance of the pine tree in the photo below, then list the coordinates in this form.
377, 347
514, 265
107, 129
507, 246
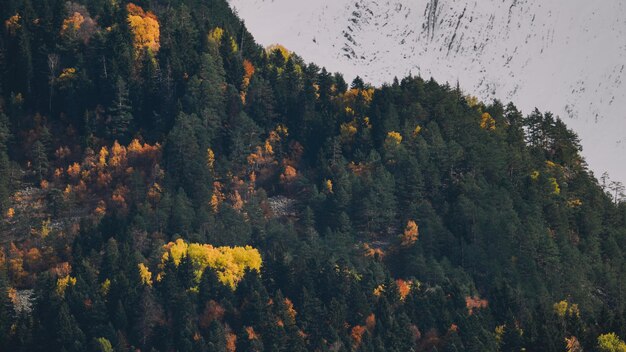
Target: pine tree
5, 177
7, 312
120, 113
40, 160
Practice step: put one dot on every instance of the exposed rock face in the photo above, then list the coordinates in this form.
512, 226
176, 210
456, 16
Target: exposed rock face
565, 56
282, 206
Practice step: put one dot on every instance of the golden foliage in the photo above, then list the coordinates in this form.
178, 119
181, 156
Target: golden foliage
282, 130
45, 228
67, 192
534, 175
393, 138
379, 290
145, 28
472, 101
417, 130
499, 333
105, 287
78, 25
329, 186
102, 157
104, 178
555, 186
217, 197
410, 235
72, 23
565, 308
10, 213
118, 155
63, 283
145, 274
574, 203
350, 97
210, 159
487, 122
73, 170
229, 262
283, 51
67, 74
611, 343
348, 131
215, 35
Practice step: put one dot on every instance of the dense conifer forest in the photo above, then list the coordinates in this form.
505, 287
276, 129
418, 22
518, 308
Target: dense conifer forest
167, 184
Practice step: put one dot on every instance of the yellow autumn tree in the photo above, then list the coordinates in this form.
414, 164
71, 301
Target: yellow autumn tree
229, 262
210, 159
611, 343
565, 308
72, 23
145, 28
329, 186
215, 37
487, 122
393, 138
410, 235
63, 283
283, 51
417, 130
145, 274
348, 131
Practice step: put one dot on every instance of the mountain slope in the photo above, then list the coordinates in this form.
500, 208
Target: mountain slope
563, 56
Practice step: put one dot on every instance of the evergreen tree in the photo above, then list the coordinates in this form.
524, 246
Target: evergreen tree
120, 113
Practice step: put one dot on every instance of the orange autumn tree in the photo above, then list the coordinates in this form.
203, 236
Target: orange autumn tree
473, 303
78, 24
248, 72
103, 179
145, 28
410, 235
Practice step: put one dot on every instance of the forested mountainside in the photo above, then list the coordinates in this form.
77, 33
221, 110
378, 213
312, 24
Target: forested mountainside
565, 56
166, 184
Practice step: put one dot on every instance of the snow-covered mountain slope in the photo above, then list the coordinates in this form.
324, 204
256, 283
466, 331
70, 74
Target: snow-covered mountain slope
564, 56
